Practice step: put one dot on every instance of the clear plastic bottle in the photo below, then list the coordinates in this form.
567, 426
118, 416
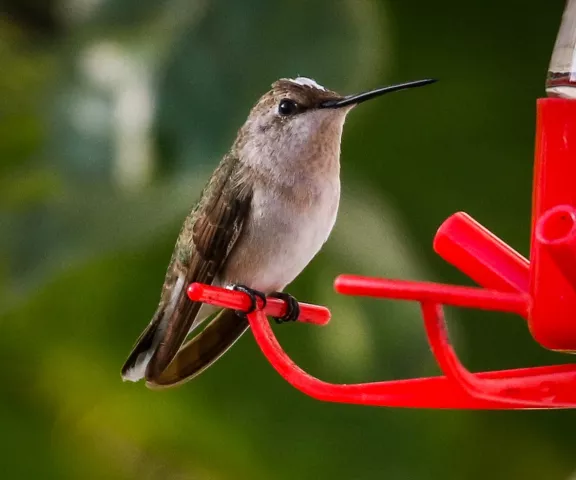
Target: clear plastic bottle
561, 79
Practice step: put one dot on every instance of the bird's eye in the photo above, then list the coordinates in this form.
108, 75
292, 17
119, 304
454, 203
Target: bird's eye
287, 107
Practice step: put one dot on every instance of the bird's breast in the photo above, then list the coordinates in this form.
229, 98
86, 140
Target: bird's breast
285, 230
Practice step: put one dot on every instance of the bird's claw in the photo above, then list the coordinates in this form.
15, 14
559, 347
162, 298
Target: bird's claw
292, 307
253, 294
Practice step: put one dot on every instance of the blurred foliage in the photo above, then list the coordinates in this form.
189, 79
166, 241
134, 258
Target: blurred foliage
112, 115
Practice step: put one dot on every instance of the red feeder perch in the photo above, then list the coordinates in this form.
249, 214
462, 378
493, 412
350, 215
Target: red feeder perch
542, 290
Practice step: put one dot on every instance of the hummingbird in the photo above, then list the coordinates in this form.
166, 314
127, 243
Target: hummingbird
265, 212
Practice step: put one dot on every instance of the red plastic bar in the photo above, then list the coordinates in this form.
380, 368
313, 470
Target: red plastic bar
508, 392
427, 294
467, 297
494, 391
448, 362
222, 297
477, 252
535, 388
551, 386
552, 319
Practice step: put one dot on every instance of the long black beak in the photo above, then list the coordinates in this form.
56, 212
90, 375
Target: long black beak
362, 97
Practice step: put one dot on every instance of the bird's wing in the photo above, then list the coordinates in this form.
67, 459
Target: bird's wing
203, 246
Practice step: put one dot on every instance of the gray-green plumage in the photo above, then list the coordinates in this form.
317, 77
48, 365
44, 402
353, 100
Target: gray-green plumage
207, 236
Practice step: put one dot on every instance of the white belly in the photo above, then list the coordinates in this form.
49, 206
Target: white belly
281, 240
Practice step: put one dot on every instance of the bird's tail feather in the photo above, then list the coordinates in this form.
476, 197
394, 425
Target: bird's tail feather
135, 366
202, 350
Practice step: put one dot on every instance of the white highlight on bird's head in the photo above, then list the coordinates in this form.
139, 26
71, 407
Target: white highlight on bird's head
304, 81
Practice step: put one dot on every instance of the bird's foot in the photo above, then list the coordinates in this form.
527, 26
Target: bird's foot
292, 307
253, 294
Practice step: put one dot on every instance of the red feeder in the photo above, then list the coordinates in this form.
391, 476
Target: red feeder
542, 290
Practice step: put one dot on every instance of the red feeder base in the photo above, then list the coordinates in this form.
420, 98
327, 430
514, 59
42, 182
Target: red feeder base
535, 388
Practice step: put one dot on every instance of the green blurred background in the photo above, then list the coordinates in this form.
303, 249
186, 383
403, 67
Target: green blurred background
112, 115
